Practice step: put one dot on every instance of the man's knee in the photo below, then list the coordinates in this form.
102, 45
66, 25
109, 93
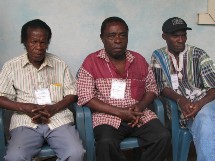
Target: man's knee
165, 136
17, 156
75, 153
106, 141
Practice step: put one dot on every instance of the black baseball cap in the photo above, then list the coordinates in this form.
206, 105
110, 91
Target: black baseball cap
174, 24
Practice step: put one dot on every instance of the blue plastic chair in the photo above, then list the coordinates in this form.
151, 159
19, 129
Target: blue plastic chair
181, 137
126, 144
46, 151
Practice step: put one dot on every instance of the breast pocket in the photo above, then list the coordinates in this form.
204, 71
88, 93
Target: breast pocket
56, 92
137, 89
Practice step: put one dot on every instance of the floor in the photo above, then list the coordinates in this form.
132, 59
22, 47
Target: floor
192, 155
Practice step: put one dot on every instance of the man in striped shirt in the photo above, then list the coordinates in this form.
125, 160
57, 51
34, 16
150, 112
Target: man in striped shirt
186, 74
38, 87
118, 85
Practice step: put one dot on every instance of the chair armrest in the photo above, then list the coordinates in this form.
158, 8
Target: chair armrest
90, 142
159, 110
172, 105
2, 136
80, 124
175, 128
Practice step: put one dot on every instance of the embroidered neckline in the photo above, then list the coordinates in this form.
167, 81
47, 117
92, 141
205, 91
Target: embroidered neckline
178, 67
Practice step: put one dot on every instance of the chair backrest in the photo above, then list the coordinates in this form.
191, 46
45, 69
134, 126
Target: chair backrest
46, 151
181, 137
127, 143
2, 136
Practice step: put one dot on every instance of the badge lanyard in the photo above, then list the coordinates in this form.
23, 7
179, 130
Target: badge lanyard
118, 86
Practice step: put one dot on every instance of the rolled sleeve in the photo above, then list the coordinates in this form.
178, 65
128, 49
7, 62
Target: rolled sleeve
207, 71
85, 86
6, 83
69, 83
151, 85
159, 75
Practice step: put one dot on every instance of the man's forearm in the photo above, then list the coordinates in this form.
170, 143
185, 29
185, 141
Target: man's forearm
8, 104
66, 101
99, 106
170, 93
147, 99
210, 96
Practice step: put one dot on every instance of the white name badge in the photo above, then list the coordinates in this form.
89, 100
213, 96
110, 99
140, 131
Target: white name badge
118, 89
174, 79
43, 96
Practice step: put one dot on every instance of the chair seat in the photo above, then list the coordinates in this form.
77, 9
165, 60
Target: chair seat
129, 143
126, 144
46, 151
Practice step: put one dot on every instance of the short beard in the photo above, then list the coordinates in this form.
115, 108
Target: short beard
119, 57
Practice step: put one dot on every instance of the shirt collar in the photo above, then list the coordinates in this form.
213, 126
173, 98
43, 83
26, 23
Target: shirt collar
47, 62
103, 55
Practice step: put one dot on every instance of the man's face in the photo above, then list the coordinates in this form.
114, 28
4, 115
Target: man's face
115, 40
175, 41
36, 45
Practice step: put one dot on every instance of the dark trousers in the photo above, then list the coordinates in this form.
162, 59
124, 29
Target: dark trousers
154, 137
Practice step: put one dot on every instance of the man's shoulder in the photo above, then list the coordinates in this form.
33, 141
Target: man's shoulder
94, 56
95, 53
195, 49
54, 58
136, 54
16, 59
162, 49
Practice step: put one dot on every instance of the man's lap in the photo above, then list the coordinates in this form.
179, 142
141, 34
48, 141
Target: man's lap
29, 140
153, 127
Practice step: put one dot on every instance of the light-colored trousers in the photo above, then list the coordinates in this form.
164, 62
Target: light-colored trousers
203, 131
26, 142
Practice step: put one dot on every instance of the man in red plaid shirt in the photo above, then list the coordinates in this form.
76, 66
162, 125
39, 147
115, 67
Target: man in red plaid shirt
118, 85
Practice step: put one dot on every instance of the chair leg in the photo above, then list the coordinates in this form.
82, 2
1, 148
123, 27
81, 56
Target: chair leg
175, 148
137, 153
184, 146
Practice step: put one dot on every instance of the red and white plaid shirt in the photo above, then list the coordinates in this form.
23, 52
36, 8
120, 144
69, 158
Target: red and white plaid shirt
95, 78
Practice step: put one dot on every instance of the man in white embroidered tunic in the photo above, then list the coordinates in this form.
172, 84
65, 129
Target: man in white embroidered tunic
38, 87
186, 74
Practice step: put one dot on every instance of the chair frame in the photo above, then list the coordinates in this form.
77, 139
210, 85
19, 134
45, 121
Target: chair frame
181, 137
127, 143
46, 151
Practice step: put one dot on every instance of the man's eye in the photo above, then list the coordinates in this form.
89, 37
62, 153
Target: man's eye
111, 36
33, 42
123, 35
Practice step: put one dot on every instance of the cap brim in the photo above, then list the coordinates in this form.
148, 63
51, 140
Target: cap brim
178, 29
188, 28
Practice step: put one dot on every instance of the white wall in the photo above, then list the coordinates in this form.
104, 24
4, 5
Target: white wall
76, 25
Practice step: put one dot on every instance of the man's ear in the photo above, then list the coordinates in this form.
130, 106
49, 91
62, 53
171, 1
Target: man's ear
164, 36
101, 37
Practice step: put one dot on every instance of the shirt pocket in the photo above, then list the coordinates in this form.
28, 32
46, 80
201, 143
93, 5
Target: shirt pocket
56, 92
137, 89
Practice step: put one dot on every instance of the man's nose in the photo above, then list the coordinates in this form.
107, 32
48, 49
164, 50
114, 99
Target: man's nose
117, 39
39, 45
180, 39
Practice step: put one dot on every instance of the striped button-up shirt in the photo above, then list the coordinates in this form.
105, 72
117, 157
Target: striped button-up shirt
95, 79
20, 79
